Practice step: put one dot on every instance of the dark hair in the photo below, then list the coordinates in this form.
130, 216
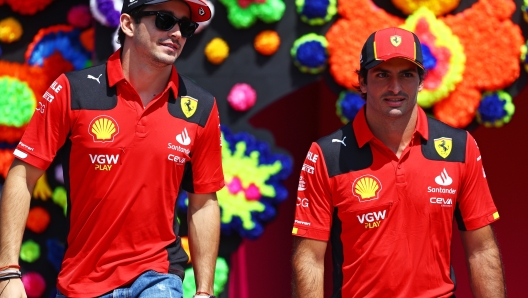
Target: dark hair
134, 13
362, 73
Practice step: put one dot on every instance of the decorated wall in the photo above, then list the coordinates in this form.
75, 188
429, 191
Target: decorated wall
283, 73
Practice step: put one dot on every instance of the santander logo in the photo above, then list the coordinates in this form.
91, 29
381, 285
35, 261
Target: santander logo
443, 179
183, 138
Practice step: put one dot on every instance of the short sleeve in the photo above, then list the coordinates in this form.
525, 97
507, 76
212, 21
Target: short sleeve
204, 174
475, 206
313, 213
49, 127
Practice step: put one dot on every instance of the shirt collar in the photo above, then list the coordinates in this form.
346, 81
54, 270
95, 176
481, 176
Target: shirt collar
364, 134
115, 73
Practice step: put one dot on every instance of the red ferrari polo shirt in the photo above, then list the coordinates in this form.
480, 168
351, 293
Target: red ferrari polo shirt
389, 220
125, 166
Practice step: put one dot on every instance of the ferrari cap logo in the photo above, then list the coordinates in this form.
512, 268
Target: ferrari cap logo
188, 105
396, 40
443, 146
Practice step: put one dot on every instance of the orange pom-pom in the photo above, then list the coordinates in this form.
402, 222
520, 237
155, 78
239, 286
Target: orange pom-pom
88, 39
267, 42
38, 219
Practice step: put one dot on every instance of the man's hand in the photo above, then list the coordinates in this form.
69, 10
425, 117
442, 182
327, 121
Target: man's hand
308, 267
484, 262
12, 288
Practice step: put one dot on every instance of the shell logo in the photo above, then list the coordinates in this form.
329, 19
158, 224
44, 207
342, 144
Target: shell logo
103, 129
366, 188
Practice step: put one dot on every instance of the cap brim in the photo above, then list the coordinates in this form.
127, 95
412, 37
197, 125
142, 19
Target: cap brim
375, 63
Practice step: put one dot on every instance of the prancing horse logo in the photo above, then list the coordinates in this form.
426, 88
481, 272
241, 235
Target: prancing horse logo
188, 105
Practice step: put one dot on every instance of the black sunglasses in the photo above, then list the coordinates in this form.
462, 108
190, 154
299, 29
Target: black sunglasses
165, 22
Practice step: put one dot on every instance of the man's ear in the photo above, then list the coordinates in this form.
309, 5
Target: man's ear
420, 87
362, 84
127, 24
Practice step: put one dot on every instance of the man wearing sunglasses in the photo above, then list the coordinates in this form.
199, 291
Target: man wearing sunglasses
133, 131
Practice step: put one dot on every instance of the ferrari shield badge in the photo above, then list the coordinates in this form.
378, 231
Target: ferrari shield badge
188, 105
443, 146
396, 40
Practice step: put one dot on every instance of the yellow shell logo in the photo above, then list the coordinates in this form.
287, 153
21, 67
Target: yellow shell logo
366, 188
103, 129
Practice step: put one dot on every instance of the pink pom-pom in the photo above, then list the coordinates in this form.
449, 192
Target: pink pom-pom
253, 192
80, 16
234, 186
242, 97
34, 284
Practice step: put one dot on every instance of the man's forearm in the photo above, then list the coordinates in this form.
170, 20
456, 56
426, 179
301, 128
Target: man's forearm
308, 269
204, 238
486, 273
14, 208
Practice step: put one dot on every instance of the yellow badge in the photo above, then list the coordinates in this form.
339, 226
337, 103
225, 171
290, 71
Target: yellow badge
188, 105
396, 40
295, 230
443, 146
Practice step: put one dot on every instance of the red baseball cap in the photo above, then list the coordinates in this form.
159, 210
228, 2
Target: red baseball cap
200, 11
391, 43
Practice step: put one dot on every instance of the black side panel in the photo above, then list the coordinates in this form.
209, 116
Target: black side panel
205, 102
437, 130
64, 154
177, 257
337, 255
187, 180
343, 158
89, 89
459, 220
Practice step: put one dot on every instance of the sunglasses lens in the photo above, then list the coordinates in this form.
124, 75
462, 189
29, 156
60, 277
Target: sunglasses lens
187, 28
164, 21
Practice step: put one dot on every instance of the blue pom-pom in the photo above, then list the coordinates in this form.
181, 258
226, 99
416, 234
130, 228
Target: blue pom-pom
315, 8
429, 60
351, 103
492, 108
312, 54
55, 253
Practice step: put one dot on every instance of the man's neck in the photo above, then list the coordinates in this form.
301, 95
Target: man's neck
148, 80
395, 133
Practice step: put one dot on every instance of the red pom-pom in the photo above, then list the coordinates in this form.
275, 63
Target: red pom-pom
79, 16
38, 219
34, 284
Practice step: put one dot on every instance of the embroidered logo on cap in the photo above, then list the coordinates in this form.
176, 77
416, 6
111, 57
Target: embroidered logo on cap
396, 40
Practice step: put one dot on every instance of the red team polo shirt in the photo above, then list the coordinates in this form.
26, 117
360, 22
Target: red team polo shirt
127, 163
389, 220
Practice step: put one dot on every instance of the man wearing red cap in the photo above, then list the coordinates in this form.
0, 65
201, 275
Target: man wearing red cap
133, 131
385, 188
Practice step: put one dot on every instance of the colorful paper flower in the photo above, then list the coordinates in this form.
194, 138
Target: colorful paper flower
29, 251
60, 38
444, 57
79, 16
34, 284
244, 16
253, 177
348, 104
106, 12
316, 12
42, 190
28, 7
438, 7
524, 9
38, 219
242, 97
216, 50
267, 42
10, 30
309, 53
495, 109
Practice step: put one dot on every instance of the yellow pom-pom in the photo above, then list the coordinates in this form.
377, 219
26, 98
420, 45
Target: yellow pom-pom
267, 42
10, 30
216, 50
438, 7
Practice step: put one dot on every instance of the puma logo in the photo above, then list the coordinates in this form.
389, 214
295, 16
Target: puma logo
339, 141
94, 78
